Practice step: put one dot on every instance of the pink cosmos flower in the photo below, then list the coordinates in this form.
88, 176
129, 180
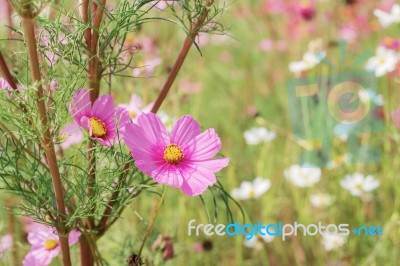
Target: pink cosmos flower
46, 246
266, 45
163, 4
390, 43
307, 9
135, 107
99, 119
348, 33
189, 87
148, 69
396, 117
182, 160
71, 134
53, 85
29, 225
5, 244
4, 85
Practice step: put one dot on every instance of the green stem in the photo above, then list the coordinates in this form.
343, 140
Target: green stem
153, 219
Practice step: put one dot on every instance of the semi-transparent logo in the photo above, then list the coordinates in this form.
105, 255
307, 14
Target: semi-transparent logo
344, 106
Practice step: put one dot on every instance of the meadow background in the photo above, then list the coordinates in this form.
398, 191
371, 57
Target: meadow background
239, 82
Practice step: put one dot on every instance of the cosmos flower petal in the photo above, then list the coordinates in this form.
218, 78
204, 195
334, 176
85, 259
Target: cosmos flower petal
103, 108
204, 146
196, 182
185, 129
153, 128
141, 147
122, 119
80, 105
73, 237
213, 165
168, 174
150, 167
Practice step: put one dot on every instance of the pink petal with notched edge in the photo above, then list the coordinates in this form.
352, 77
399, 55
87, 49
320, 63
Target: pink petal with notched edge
168, 174
154, 129
196, 181
80, 105
204, 146
195, 173
148, 156
212, 165
185, 129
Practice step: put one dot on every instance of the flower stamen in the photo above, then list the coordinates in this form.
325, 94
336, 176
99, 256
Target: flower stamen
173, 154
98, 127
50, 244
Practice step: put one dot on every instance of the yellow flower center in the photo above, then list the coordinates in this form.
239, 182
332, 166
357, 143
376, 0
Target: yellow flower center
358, 186
98, 127
252, 193
50, 244
132, 114
173, 154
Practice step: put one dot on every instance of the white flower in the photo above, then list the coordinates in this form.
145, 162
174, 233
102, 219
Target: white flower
256, 242
386, 19
370, 96
256, 135
320, 200
357, 184
332, 242
250, 190
310, 60
305, 176
384, 61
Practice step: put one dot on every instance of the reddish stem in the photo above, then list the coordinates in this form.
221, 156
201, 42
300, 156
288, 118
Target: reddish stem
29, 32
181, 58
6, 72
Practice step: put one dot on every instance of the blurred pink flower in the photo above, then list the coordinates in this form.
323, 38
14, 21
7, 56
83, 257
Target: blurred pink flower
274, 6
53, 85
181, 160
46, 246
348, 33
4, 85
147, 70
71, 134
141, 43
202, 39
189, 87
4, 12
390, 43
266, 45
307, 9
5, 244
163, 4
165, 244
100, 119
135, 107
396, 117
